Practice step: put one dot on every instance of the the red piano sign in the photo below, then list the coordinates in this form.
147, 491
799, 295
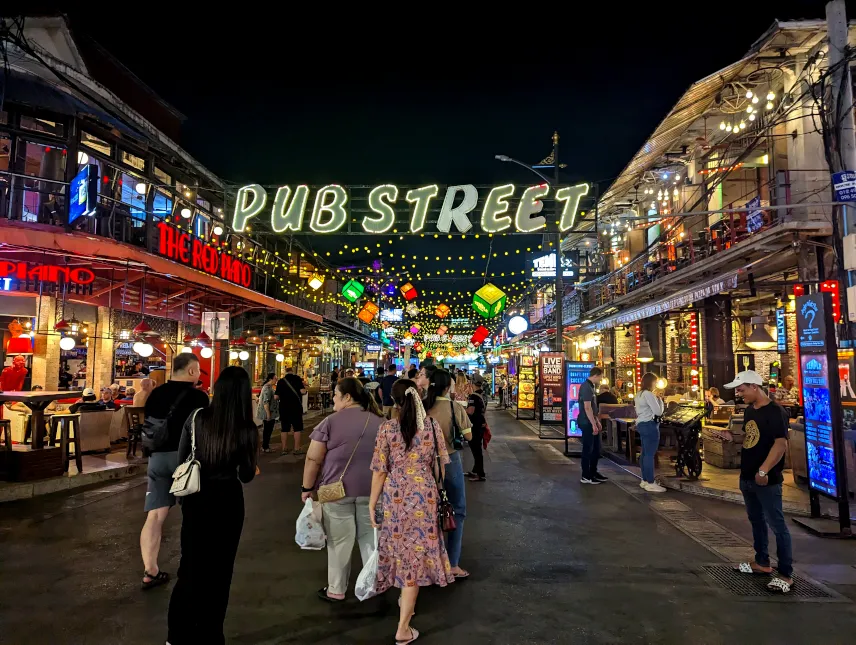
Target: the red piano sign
45, 272
190, 251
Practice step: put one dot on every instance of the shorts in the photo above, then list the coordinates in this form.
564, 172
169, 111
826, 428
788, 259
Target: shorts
160, 469
293, 423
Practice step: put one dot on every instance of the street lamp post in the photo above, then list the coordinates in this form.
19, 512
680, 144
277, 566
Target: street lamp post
559, 284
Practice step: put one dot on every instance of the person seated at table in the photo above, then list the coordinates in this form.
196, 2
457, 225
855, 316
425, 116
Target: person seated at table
787, 393
21, 407
605, 396
114, 389
127, 397
712, 397
146, 387
87, 403
107, 398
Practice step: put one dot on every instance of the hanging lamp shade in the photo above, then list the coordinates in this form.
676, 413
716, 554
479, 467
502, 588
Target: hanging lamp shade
188, 338
479, 335
353, 290
645, 355
489, 300
412, 309
144, 329
315, 281
760, 339
409, 291
441, 330
683, 348
203, 339
62, 325
442, 310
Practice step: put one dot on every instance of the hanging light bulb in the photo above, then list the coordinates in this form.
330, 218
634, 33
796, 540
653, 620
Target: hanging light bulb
749, 109
751, 117
233, 356
749, 94
769, 105
728, 128
217, 230
185, 213
206, 352
754, 99
675, 193
771, 95
186, 349
140, 188
244, 355
146, 350
82, 158
722, 125
280, 358
66, 343
743, 125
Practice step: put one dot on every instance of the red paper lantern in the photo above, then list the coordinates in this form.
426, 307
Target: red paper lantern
479, 335
409, 291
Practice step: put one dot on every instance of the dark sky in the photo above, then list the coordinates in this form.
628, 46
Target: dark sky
333, 97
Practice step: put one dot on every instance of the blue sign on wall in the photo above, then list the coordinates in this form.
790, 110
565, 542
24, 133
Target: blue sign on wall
844, 186
83, 193
781, 331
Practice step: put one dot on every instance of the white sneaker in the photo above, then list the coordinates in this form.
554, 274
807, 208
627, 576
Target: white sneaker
642, 484
654, 488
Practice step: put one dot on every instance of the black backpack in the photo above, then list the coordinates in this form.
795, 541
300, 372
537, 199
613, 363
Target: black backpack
155, 432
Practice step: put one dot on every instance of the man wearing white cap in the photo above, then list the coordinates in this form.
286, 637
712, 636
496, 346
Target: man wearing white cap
761, 462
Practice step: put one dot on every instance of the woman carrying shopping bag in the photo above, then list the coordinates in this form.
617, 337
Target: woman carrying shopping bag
226, 446
337, 465
411, 551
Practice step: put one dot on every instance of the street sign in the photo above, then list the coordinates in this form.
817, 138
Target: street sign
844, 186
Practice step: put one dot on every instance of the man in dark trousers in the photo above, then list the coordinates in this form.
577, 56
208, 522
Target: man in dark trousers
175, 400
589, 423
761, 462
386, 391
476, 409
289, 392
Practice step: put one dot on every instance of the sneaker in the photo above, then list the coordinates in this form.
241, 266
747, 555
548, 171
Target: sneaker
586, 480
601, 478
642, 484
654, 488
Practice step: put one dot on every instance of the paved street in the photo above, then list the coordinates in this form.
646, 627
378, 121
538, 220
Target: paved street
552, 563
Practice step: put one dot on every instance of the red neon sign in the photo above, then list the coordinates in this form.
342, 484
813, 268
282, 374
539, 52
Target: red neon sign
45, 272
193, 252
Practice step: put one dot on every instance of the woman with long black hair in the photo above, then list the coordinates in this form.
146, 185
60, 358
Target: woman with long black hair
411, 552
227, 445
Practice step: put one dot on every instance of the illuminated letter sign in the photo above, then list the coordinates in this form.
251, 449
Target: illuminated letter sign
192, 252
45, 273
249, 203
330, 199
571, 196
287, 216
531, 204
385, 210
420, 197
458, 213
493, 220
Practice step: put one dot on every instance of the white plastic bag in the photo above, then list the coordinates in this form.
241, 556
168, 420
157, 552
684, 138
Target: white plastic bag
367, 580
310, 529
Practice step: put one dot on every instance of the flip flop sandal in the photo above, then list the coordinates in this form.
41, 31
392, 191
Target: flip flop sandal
778, 585
161, 578
414, 635
322, 594
462, 576
746, 567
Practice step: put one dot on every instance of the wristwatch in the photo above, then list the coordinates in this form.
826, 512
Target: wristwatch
762, 473
303, 489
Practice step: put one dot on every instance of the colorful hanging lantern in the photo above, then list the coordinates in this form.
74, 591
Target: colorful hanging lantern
368, 312
441, 330
385, 324
489, 300
412, 309
353, 290
414, 329
479, 336
418, 346
315, 281
442, 311
408, 291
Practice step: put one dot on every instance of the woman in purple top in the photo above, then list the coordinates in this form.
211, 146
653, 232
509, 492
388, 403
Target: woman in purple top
334, 440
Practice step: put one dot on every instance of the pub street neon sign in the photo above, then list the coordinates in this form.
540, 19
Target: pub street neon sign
329, 210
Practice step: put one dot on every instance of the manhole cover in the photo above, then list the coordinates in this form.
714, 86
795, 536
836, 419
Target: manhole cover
751, 587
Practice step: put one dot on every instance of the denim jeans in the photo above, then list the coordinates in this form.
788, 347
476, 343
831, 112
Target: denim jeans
764, 506
591, 451
649, 432
457, 493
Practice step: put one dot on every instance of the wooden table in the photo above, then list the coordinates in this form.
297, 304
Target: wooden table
630, 428
37, 402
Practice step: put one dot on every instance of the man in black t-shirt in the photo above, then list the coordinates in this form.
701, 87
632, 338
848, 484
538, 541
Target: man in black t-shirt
588, 421
289, 392
761, 462
180, 392
475, 410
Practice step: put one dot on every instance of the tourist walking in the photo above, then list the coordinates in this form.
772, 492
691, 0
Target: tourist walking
761, 462
227, 445
463, 388
476, 408
267, 410
456, 426
649, 409
589, 423
411, 552
173, 402
289, 393
386, 391
340, 455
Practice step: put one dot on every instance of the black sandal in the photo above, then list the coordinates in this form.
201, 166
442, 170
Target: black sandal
322, 594
161, 578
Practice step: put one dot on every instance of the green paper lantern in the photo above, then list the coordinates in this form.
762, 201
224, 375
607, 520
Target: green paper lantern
489, 301
353, 290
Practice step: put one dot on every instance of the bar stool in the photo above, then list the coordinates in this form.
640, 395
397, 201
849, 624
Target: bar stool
6, 430
134, 419
65, 423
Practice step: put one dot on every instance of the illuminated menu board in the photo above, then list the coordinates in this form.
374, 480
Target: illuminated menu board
526, 384
575, 375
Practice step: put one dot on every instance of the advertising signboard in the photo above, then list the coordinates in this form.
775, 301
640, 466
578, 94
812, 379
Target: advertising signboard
575, 375
781, 331
526, 385
391, 315
552, 373
83, 193
821, 395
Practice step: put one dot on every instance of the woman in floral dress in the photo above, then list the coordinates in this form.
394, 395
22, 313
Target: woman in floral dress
411, 552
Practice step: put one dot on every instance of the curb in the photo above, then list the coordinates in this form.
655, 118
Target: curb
26, 490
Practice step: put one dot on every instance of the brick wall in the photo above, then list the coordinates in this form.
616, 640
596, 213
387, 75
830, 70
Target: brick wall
46, 351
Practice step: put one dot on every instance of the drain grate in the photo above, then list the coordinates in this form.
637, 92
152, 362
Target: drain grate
750, 587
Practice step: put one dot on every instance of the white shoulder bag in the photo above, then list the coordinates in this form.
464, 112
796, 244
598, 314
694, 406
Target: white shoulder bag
186, 478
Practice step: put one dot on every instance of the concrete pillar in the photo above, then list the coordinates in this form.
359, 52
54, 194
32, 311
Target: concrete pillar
46, 351
100, 357
716, 341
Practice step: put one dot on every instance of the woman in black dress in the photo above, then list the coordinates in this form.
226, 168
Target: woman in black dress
227, 445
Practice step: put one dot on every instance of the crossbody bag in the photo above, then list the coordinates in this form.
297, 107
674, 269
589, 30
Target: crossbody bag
336, 491
445, 512
186, 479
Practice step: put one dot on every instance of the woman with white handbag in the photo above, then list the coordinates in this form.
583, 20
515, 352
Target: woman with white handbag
218, 450
338, 465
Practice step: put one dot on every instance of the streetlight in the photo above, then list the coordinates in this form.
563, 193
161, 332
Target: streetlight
560, 286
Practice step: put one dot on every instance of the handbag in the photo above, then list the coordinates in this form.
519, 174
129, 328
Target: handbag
336, 491
457, 435
186, 478
445, 512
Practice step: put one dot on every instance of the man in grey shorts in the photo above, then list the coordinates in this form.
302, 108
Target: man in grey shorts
180, 396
